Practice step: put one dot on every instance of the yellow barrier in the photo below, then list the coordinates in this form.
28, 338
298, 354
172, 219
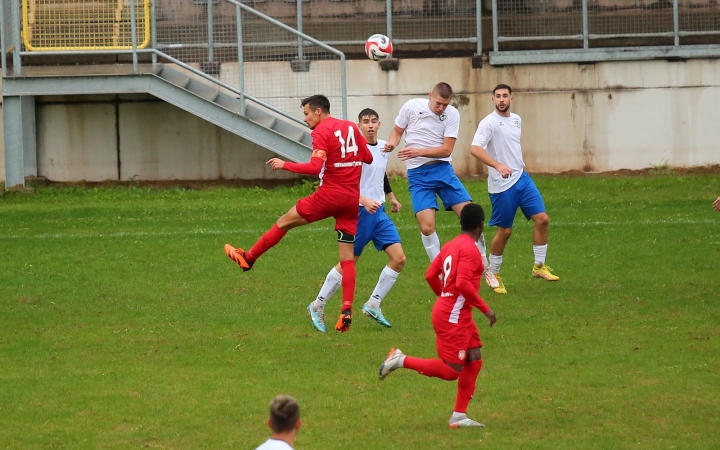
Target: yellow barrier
72, 25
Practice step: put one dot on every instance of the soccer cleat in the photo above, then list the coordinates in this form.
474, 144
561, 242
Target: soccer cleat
501, 286
318, 318
392, 363
464, 423
344, 321
491, 279
238, 255
545, 272
376, 314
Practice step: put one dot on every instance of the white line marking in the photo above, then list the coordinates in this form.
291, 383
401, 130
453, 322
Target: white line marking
315, 229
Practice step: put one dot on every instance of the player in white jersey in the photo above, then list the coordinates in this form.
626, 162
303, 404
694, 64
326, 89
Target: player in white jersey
431, 128
284, 422
497, 144
373, 225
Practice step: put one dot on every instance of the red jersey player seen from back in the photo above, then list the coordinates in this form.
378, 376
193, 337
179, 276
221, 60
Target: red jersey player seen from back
339, 150
454, 276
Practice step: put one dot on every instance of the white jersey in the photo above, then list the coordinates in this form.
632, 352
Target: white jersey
372, 180
274, 444
500, 137
425, 129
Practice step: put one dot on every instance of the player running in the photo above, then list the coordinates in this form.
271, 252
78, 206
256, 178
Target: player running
373, 225
339, 150
457, 339
497, 144
431, 128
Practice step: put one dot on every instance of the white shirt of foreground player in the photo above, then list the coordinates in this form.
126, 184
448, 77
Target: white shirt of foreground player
500, 137
274, 444
372, 180
425, 129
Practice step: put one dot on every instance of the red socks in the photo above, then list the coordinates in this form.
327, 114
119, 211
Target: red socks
435, 368
348, 283
265, 243
466, 385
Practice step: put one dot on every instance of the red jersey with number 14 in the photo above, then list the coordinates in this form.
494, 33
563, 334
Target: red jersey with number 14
344, 150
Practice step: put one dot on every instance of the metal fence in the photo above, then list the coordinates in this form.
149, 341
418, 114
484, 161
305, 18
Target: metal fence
526, 31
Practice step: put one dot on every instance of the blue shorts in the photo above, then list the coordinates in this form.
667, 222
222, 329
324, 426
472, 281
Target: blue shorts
430, 180
377, 228
523, 194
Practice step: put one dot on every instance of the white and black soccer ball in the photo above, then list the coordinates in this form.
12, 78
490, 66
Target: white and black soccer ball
378, 47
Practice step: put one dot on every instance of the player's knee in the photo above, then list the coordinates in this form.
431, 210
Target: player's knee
399, 261
542, 220
505, 233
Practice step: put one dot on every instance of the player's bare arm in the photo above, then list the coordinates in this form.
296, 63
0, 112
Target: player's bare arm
482, 155
491, 317
716, 204
369, 204
394, 140
443, 151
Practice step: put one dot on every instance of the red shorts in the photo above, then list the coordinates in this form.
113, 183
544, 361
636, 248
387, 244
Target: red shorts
452, 340
319, 206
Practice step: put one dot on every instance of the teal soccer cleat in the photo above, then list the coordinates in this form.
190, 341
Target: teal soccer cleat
376, 314
318, 318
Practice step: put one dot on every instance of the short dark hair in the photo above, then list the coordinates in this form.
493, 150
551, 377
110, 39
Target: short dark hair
502, 86
317, 101
367, 112
284, 413
443, 90
471, 217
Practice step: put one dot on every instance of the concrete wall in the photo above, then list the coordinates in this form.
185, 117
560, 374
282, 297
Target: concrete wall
594, 117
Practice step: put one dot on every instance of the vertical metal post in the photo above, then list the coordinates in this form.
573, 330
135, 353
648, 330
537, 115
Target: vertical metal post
241, 69
676, 23
388, 18
478, 25
133, 31
586, 31
495, 25
17, 64
211, 42
2, 38
301, 53
153, 30
29, 138
343, 84
14, 145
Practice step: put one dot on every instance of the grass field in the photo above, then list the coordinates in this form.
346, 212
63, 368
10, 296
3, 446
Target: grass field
123, 325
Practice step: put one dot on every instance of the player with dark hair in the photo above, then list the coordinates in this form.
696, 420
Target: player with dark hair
373, 225
339, 151
497, 144
431, 126
284, 421
454, 276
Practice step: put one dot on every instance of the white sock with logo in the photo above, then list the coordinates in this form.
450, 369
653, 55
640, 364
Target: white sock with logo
332, 283
385, 283
431, 244
540, 252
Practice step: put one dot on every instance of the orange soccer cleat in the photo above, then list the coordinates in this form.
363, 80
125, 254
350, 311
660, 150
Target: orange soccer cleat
343, 323
238, 255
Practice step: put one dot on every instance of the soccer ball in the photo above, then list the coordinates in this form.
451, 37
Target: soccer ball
378, 46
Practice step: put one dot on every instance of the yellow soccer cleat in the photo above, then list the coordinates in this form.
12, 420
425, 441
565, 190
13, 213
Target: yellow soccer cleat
545, 272
500, 289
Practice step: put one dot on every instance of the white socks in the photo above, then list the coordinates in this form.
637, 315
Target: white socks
333, 280
495, 262
540, 252
483, 249
385, 283
431, 244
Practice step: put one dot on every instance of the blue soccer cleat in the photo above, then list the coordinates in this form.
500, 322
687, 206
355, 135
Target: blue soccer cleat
318, 318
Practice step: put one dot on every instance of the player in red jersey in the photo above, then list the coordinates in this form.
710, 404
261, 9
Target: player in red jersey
457, 338
339, 151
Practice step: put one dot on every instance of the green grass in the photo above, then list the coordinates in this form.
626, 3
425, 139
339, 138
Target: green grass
123, 324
